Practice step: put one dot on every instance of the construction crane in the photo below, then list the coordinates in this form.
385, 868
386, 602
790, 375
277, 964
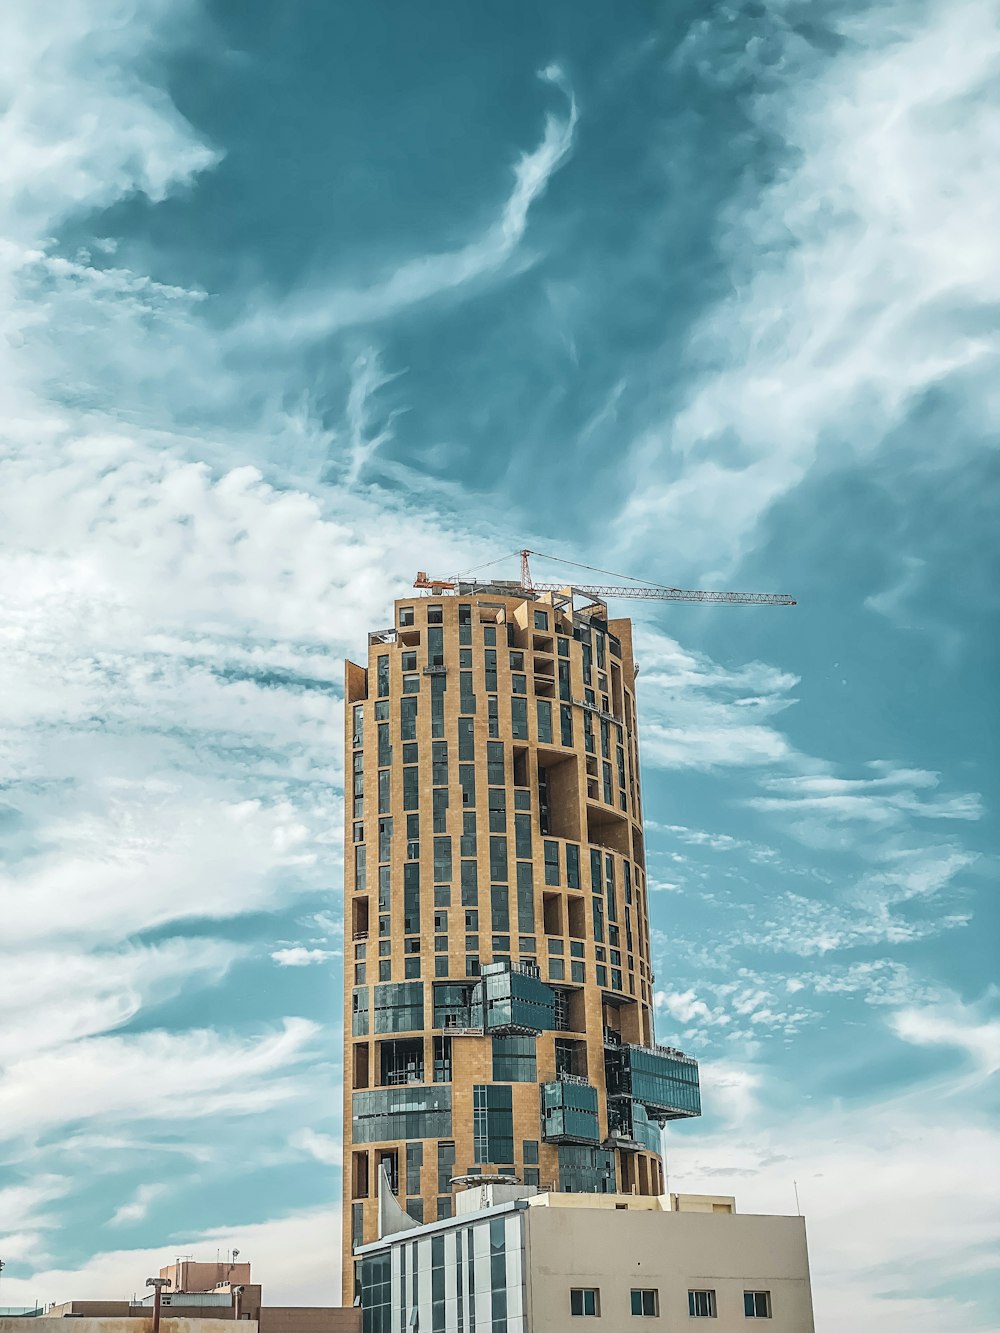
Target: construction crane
647, 591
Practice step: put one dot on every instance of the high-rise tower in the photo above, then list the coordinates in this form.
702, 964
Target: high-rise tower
498, 986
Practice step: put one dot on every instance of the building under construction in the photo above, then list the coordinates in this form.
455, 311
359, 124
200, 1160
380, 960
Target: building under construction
499, 988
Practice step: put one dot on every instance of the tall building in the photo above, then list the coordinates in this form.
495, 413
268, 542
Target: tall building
498, 1006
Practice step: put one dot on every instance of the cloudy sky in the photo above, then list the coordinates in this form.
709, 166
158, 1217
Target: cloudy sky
300, 296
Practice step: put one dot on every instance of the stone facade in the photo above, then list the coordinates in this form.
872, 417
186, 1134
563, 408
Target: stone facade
498, 985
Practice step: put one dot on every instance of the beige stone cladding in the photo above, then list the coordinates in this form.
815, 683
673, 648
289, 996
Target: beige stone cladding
667, 1255
493, 813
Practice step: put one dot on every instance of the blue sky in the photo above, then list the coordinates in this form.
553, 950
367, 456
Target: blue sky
299, 297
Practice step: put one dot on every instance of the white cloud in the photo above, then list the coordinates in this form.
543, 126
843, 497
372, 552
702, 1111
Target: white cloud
893, 1194
137, 1209
322, 313
153, 1075
49, 998
858, 273
294, 1257
300, 956
322, 1147
955, 1025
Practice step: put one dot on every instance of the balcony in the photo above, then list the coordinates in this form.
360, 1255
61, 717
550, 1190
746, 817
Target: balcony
569, 1111
512, 1001
661, 1078
629, 1127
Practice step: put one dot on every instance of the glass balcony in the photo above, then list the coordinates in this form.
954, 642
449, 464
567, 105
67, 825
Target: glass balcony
511, 1001
663, 1080
630, 1128
569, 1111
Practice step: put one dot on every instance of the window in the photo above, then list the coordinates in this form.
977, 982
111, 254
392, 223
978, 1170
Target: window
492, 1123
497, 802
544, 710
494, 763
519, 719
757, 1304
406, 615
585, 1301
551, 851
701, 1304
541, 620
514, 1060
435, 615
382, 676
645, 1301
572, 865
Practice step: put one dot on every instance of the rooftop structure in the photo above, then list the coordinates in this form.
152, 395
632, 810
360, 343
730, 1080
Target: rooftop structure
499, 987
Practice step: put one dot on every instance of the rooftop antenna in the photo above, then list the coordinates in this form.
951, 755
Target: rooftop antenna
795, 1187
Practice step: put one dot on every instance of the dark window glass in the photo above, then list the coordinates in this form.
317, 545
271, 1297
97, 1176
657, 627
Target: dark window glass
551, 850
519, 719
544, 711
382, 676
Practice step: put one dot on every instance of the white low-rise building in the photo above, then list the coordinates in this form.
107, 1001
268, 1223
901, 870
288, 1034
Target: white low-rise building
516, 1261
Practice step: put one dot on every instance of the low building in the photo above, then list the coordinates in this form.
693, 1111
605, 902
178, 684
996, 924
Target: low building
197, 1298
513, 1260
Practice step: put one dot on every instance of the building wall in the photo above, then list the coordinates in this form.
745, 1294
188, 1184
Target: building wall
129, 1324
671, 1253
603, 991
308, 1319
462, 1277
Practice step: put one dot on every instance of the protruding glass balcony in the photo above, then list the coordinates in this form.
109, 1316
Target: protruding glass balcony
662, 1079
569, 1111
630, 1128
509, 1001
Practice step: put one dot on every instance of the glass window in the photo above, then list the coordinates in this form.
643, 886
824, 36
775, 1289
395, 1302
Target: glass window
572, 865
565, 724
442, 859
382, 676
544, 710
492, 1123
585, 1301
757, 1304
498, 859
408, 719
466, 738
400, 1008
525, 897
497, 802
435, 615
701, 1304
406, 615
384, 745
514, 1060
490, 636
541, 620
493, 716
519, 683
551, 850
519, 719
522, 835
529, 1152
645, 1301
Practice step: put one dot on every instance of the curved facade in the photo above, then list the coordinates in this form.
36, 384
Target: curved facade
498, 987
